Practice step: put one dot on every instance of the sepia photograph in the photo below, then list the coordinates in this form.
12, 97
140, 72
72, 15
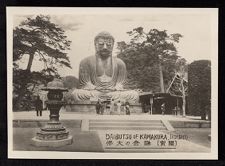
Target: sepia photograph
112, 83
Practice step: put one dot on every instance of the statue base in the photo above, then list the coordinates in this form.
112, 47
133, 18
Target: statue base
90, 108
52, 135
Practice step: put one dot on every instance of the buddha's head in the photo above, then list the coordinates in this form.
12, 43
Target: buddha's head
104, 42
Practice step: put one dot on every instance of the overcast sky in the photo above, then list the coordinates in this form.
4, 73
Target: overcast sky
81, 29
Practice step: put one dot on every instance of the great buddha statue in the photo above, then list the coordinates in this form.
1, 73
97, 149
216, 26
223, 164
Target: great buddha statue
103, 75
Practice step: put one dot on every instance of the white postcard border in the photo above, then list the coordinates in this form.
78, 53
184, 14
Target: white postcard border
11, 11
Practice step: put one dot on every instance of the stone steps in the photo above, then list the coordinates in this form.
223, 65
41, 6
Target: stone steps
95, 125
126, 124
125, 121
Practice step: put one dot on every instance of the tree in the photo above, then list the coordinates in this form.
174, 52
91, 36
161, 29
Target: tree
199, 84
150, 58
37, 38
70, 82
179, 84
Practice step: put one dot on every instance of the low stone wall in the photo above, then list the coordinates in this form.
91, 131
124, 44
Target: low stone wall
41, 123
76, 124
90, 108
190, 124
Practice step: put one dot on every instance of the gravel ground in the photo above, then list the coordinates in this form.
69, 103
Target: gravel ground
90, 142
197, 135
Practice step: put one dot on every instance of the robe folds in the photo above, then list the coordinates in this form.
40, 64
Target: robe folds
100, 79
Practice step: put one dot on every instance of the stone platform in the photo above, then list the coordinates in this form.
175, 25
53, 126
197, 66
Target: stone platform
89, 131
73, 119
90, 108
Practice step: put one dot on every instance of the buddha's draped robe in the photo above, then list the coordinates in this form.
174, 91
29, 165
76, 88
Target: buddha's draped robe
95, 82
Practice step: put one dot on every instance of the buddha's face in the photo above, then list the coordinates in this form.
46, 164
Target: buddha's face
104, 47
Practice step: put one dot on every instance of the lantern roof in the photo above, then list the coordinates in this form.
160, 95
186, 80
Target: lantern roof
56, 84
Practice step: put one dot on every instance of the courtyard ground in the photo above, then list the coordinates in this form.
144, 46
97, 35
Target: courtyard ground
89, 141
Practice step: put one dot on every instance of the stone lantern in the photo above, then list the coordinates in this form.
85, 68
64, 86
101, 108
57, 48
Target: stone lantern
53, 134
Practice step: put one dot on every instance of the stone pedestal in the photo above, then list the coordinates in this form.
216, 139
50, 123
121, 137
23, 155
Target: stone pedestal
90, 108
52, 135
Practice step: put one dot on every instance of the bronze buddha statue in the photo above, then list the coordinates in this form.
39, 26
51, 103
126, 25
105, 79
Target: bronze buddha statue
103, 74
